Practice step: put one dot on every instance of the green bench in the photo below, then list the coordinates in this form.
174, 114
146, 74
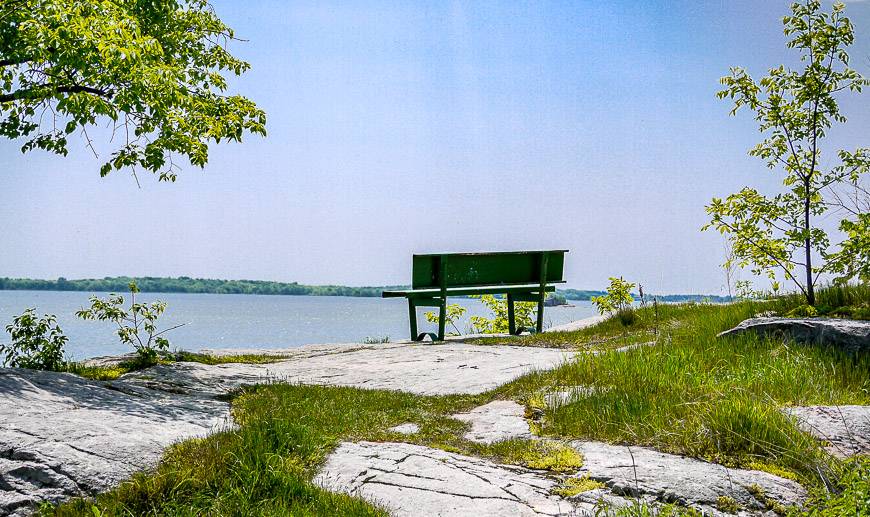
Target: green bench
524, 276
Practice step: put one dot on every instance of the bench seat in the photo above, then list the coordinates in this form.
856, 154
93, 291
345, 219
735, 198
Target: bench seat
465, 291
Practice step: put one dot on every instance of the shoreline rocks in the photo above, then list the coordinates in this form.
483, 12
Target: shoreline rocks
413, 480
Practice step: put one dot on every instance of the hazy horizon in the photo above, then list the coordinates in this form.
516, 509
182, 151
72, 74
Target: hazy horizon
399, 128
559, 287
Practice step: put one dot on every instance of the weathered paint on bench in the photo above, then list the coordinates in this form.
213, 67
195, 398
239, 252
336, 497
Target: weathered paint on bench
524, 276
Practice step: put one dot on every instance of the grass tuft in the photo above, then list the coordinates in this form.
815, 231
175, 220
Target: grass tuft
727, 504
196, 357
576, 485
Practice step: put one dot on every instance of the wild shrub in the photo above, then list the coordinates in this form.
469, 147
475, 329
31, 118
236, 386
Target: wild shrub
618, 297
525, 314
451, 318
137, 325
618, 302
37, 343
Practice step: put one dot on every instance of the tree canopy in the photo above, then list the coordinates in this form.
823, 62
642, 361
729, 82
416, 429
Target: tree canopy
152, 71
795, 109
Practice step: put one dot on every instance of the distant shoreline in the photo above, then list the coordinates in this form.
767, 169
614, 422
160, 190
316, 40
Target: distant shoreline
191, 285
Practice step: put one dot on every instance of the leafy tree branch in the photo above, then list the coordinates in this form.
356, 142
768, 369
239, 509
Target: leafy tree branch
153, 71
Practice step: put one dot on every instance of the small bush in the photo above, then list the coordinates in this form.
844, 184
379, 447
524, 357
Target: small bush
454, 314
37, 343
137, 326
617, 299
525, 314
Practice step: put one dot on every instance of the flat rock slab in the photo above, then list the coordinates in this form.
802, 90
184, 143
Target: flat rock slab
640, 472
412, 480
850, 335
63, 436
425, 369
407, 428
846, 429
499, 420
415, 480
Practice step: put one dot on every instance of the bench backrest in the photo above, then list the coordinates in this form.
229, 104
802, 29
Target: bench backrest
478, 269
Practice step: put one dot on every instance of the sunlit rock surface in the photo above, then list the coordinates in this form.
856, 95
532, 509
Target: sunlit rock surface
845, 430
643, 472
62, 436
411, 480
499, 420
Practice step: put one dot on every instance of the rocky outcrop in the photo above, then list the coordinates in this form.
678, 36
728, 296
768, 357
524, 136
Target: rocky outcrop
845, 430
62, 436
499, 420
412, 480
424, 369
415, 480
646, 473
850, 335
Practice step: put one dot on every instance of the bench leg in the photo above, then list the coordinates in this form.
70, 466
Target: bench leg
512, 321
540, 325
412, 313
442, 318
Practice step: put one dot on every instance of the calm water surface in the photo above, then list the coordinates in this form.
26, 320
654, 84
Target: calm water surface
248, 321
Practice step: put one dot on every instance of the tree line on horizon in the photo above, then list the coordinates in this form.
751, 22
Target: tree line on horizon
184, 284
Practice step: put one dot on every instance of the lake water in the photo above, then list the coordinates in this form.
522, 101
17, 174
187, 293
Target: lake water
249, 321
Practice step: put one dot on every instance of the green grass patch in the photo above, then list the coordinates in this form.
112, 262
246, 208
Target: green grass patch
851, 496
108, 372
836, 301
703, 396
609, 334
576, 485
97, 373
535, 454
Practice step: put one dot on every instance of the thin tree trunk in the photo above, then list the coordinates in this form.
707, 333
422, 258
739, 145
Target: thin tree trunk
811, 293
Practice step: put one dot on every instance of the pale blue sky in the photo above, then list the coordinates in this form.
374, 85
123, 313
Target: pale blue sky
402, 127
